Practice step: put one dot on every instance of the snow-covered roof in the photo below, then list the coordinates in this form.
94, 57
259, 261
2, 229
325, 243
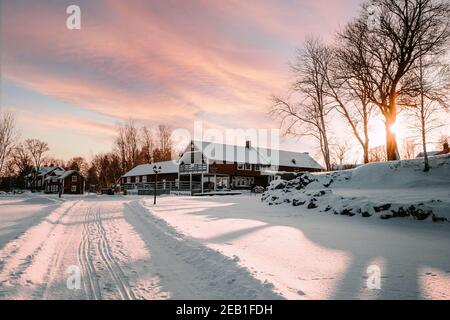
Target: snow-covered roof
66, 174
147, 169
429, 153
285, 158
253, 155
60, 175
46, 170
225, 153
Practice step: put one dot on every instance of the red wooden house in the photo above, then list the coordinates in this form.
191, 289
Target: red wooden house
206, 166
71, 182
220, 166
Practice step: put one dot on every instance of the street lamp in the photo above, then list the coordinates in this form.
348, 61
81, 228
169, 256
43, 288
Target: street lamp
156, 170
213, 169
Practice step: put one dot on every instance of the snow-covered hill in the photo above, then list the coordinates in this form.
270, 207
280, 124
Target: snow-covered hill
387, 190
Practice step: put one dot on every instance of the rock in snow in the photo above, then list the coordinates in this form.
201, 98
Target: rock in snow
388, 190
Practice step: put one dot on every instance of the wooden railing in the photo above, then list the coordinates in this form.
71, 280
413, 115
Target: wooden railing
193, 168
164, 187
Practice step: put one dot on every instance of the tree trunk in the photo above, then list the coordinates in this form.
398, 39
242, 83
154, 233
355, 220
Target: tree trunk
424, 137
425, 155
325, 144
423, 121
391, 117
366, 136
391, 140
366, 153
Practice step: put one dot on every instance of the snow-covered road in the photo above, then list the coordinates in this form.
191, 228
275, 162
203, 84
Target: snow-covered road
232, 247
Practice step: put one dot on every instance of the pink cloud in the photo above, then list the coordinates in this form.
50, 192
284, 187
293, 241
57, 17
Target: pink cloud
162, 61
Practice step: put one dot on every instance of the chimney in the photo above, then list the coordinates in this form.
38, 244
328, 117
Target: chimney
248, 144
446, 147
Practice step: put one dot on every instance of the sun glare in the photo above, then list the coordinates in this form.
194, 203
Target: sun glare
396, 129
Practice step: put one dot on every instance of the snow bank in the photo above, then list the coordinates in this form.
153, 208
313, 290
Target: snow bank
387, 190
40, 200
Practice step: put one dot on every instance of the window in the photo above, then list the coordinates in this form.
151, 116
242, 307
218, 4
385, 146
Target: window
240, 166
39, 183
74, 189
128, 179
257, 167
137, 179
248, 167
144, 179
74, 178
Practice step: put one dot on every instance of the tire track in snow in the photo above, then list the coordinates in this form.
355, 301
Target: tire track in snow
114, 269
11, 270
90, 279
95, 239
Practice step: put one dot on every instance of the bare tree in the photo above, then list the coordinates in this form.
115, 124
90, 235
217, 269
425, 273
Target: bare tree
307, 115
7, 137
429, 100
148, 145
105, 170
79, 164
127, 145
388, 50
409, 149
164, 152
377, 154
340, 153
348, 86
37, 149
49, 161
21, 159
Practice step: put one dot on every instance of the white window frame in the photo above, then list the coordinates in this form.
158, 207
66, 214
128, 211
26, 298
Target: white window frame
248, 167
137, 179
241, 166
128, 179
74, 188
258, 167
144, 179
75, 178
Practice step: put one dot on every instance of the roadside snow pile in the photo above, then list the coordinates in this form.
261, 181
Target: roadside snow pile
387, 190
40, 200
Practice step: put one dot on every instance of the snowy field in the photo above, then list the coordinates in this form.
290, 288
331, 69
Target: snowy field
228, 247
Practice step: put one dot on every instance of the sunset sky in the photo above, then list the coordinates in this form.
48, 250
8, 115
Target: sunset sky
153, 61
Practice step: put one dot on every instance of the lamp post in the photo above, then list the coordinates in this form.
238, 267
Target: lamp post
156, 170
213, 170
